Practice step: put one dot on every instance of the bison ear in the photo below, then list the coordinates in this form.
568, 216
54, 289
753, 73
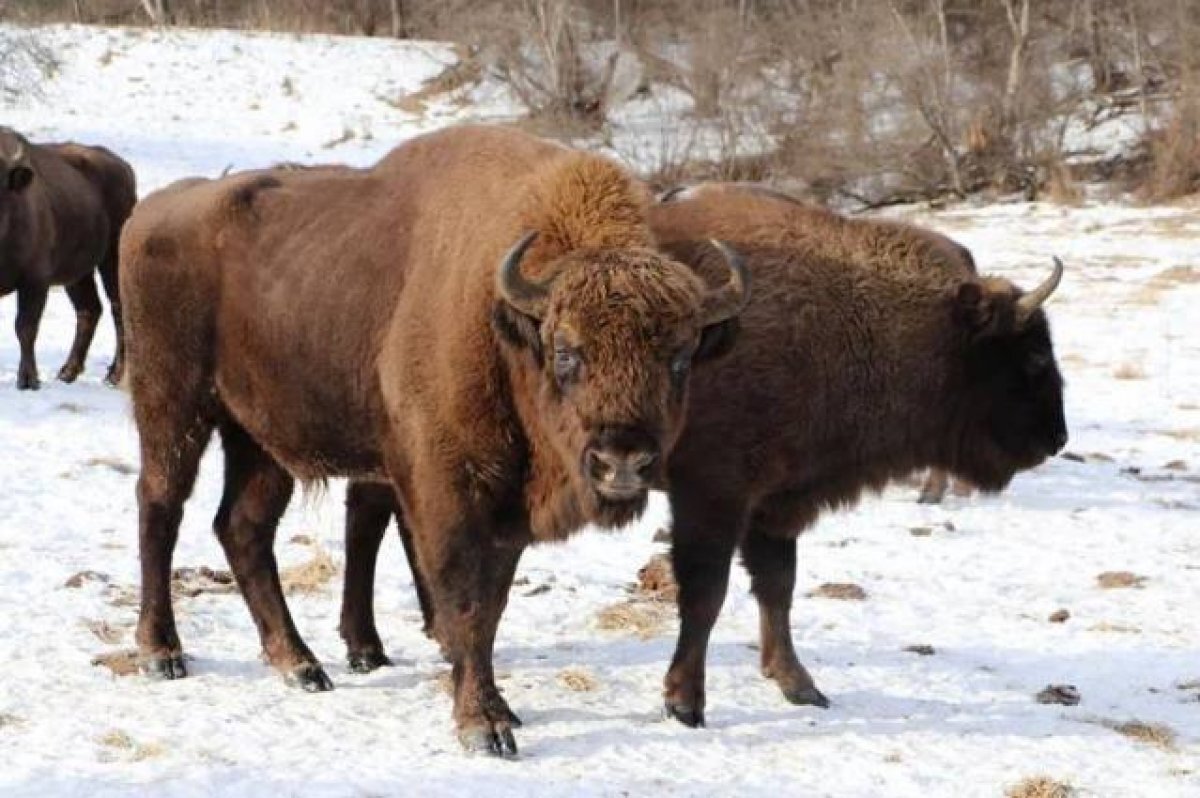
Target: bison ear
717, 339
980, 311
19, 178
517, 329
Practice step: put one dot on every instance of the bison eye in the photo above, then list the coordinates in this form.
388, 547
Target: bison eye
681, 363
566, 364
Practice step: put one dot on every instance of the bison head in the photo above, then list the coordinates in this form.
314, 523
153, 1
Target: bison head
612, 337
15, 176
1011, 405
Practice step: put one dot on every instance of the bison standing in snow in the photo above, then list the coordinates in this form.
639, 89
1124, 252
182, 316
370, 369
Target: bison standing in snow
61, 211
851, 370
480, 322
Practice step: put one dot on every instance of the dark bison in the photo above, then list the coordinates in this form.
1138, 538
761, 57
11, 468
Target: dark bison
480, 322
851, 370
61, 211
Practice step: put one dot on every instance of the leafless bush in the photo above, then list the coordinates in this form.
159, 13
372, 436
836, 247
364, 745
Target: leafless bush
24, 64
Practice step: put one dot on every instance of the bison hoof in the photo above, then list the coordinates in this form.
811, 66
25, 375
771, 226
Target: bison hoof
69, 372
692, 717
113, 378
28, 382
807, 696
929, 497
495, 740
309, 677
367, 661
163, 668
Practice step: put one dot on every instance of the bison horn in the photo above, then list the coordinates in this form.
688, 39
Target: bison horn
729, 300
1028, 304
524, 295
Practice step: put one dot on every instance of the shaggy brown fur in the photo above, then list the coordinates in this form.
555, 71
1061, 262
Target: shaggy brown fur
61, 211
846, 376
338, 322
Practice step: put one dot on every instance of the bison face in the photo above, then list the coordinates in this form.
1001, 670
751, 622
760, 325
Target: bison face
612, 338
1014, 392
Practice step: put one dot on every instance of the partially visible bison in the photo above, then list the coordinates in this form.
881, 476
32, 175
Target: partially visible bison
480, 323
864, 354
61, 211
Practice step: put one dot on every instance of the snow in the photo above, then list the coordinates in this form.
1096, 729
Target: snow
978, 586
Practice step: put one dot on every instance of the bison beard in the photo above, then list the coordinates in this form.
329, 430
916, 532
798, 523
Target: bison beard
61, 211
869, 349
479, 326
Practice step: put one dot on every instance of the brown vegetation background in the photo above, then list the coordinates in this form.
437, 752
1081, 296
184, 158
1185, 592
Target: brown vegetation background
861, 101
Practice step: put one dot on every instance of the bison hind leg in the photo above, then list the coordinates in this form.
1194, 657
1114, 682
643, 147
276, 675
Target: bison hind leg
86, 301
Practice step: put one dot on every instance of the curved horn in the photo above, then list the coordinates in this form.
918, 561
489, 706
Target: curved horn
18, 155
524, 295
729, 300
1028, 304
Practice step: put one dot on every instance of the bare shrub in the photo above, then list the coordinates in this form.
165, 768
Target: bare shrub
24, 64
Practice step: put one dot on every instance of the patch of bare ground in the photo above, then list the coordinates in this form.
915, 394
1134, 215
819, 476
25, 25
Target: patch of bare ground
1159, 735
9, 721
1182, 434
120, 663
1115, 580
1040, 787
119, 745
1066, 695
842, 591
1177, 275
1059, 616
578, 680
311, 576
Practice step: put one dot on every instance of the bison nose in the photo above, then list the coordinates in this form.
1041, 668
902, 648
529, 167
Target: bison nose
620, 474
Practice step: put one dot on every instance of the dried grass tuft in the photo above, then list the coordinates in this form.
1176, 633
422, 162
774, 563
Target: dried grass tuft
643, 618
1040, 787
578, 680
311, 576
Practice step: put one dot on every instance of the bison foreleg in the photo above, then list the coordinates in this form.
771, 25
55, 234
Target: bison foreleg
31, 301
771, 562
702, 543
257, 491
87, 314
469, 578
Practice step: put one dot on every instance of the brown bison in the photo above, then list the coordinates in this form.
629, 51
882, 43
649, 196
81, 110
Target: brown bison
61, 211
480, 322
846, 375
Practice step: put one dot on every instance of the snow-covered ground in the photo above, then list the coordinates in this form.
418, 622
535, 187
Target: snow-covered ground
976, 579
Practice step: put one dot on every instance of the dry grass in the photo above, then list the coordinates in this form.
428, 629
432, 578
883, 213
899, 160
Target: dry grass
1183, 434
83, 577
113, 463
118, 742
578, 680
192, 582
1129, 371
1177, 275
842, 591
105, 632
1115, 580
656, 579
643, 618
9, 721
1040, 787
121, 663
1160, 735
1114, 628
311, 576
